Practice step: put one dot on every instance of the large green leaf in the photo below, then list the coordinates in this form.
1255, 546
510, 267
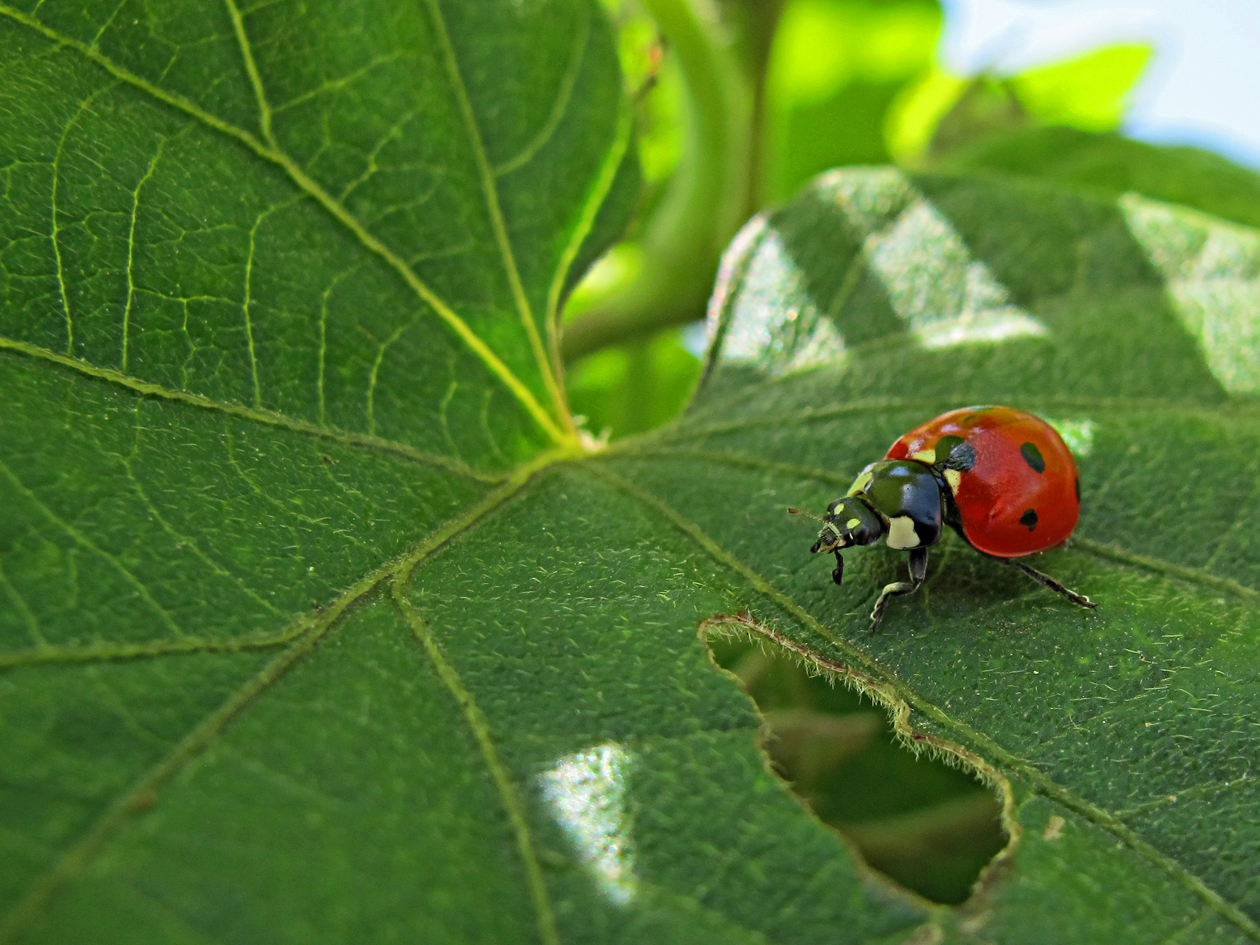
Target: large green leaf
318, 625
1126, 737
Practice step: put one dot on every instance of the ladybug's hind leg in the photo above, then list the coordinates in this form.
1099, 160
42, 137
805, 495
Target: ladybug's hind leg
918, 571
1046, 580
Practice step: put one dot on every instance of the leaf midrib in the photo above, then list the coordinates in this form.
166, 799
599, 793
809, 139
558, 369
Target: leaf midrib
1110, 552
256, 414
490, 191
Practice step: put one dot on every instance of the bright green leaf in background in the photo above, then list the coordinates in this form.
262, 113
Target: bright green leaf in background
941, 111
740, 102
320, 624
839, 66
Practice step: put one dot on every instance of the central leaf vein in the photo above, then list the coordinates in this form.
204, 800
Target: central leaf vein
267, 417
1097, 549
480, 728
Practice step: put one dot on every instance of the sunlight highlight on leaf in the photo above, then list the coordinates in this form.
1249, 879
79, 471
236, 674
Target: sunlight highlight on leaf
1213, 273
948, 297
775, 325
587, 794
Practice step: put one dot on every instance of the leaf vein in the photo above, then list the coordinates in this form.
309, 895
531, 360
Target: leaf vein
20, 604
1229, 412
251, 70
185, 541
375, 372
119, 652
257, 415
585, 222
733, 459
509, 797
245, 313
74, 860
329, 85
1097, 549
131, 252
490, 191
559, 106
1168, 569
56, 225
82, 540
1195, 791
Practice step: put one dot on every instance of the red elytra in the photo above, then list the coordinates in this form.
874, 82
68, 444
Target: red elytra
1008, 506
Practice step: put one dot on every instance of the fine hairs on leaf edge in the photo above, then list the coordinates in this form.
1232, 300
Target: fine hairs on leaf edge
744, 627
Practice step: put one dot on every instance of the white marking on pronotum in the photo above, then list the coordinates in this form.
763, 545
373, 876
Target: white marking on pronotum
901, 533
587, 795
954, 478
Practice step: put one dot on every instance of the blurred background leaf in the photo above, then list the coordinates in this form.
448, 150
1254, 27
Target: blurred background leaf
743, 101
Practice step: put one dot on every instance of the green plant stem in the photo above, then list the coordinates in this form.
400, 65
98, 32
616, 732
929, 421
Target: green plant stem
759, 23
707, 199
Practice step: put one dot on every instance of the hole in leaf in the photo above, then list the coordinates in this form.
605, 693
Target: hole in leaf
927, 825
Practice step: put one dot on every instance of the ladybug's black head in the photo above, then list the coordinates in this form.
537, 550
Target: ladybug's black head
849, 521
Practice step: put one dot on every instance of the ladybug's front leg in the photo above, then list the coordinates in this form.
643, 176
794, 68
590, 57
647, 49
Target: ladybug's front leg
838, 574
918, 571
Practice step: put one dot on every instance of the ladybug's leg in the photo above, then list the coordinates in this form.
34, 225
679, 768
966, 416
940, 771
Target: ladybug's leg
1047, 581
918, 571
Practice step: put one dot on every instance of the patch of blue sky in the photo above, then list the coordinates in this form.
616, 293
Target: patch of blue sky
1199, 88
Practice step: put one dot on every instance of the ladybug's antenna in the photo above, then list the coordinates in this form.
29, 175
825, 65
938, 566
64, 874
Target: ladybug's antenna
816, 518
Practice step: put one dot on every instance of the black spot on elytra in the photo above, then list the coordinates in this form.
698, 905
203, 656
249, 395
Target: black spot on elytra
1032, 456
1078, 490
1029, 519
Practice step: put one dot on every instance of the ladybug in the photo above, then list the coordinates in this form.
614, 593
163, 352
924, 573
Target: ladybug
1003, 479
